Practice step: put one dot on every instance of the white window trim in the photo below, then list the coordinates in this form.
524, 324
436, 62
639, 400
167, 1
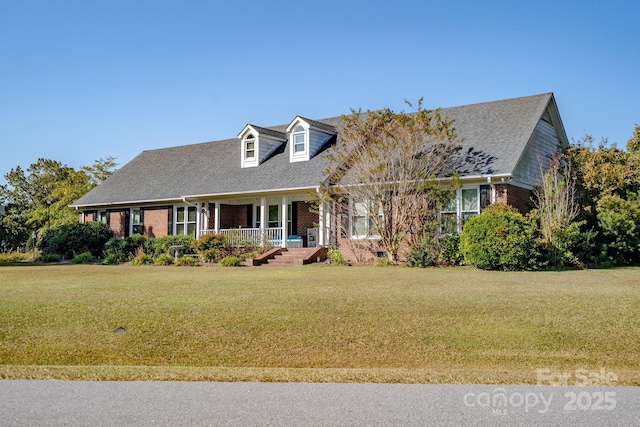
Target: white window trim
459, 211
186, 221
298, 156
245, 141
367, 222
256, 220
305, 142
102, 214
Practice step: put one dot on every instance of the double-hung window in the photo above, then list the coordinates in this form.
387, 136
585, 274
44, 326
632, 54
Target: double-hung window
464, 205
137, 221
299, 140
102, 217
186, 220
250, 147
449, 217
470, 204
274, 218
363, 220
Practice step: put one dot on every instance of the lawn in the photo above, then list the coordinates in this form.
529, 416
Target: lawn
316, 323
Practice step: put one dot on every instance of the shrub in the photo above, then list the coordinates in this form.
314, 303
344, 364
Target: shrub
500, 238
16, 257
571, 247
162, 245
619, 220
231, 261
141, 258
134, 243
163, 259
384, 262
70, 240
210, 255
251, 254
115, 245
208, 242
450, 249
112, 259
49, 258
187, 261
421, 256
335, 256
83, 258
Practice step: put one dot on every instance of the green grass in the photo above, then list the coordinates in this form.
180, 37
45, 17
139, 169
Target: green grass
316, 323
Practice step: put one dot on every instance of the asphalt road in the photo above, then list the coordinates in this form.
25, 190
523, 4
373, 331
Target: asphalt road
79, 403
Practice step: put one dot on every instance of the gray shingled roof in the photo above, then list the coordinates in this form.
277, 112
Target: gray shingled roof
320, 125
269, 132
494, 136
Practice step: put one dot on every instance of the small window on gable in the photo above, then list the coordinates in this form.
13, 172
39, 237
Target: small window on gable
250, 147
299, 141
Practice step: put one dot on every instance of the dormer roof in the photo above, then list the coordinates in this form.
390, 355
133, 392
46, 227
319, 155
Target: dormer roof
272, 134
314, 124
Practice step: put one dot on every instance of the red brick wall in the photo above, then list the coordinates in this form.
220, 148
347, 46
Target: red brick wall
360, 250
233, 216
242, 217
518, 197
156, 222
86, 216
227, 216
117, 222
306, 218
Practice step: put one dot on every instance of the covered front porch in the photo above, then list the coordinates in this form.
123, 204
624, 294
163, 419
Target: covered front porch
286, 221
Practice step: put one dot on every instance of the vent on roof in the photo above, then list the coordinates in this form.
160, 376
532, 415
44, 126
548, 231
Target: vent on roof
546, 117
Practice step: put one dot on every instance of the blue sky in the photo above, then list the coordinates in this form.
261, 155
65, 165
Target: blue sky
82, 80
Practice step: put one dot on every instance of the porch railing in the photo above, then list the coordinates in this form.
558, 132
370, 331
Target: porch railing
250, 236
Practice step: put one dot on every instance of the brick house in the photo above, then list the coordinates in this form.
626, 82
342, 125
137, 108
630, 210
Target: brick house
261, 184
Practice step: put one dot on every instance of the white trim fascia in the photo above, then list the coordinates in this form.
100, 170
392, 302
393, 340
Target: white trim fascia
307, 125
294, 122
127, 203
505, 177
557, 121
517, 184
482, 177
240, 193
250, 127
188, 203
245, 129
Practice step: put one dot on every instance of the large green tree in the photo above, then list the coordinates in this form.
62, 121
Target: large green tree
633, 145
38, 199
603, 170
608, 180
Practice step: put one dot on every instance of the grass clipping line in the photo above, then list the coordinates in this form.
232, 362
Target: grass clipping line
306, 375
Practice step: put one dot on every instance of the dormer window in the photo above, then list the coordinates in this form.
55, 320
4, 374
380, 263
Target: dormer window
306, 138
250, 147
258, 143
299, 140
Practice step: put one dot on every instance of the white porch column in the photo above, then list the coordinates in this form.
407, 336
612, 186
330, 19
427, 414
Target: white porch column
216, 217
285, 221
198, 219
206, 214
333, 232
263, 220
322, 224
